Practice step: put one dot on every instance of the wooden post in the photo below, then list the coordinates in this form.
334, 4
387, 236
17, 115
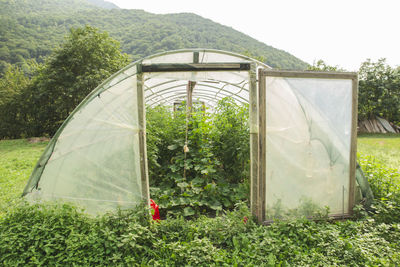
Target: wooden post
142, 140
353, 143
262, 146
253, 119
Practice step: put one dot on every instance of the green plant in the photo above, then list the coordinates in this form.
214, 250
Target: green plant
379, 91
213, 175
47, 235
385, 184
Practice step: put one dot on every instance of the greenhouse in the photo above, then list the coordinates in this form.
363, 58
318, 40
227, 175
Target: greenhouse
302, 134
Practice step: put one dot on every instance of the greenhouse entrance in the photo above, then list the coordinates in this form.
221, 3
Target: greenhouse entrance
194, 92
302, 128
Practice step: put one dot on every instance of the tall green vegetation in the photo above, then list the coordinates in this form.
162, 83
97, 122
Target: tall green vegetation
86, 58
379, 91
13, 85
214, 174
37, 106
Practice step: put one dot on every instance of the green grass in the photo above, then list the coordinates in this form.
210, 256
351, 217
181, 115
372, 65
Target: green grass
384, 147
17, 159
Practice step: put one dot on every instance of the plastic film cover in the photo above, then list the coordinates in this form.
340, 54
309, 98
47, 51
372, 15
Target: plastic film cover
308, 134
167, 87
95, 162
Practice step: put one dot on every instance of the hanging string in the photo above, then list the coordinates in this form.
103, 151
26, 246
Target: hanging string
189, 90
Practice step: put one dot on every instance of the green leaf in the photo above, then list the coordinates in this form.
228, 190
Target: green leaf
183, 185
188, 211
215, 205
172, 147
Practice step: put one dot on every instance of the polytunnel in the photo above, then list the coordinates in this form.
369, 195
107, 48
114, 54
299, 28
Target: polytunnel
302, 134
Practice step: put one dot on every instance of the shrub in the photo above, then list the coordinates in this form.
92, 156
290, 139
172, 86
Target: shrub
385, 184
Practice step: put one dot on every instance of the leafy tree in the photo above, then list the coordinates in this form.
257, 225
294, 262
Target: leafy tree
85, 59
320, 65
247, 53
379, 91
12, 85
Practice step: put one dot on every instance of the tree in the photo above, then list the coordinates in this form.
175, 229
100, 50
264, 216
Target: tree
12, 85
320, 65
379, 91
82, 62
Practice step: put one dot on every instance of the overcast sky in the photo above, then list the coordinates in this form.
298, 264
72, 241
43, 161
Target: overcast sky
340, 32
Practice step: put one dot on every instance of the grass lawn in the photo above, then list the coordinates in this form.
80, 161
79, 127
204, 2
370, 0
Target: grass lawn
17, 160
384, 147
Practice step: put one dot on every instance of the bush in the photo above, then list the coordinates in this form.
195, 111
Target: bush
379, 91
385, 184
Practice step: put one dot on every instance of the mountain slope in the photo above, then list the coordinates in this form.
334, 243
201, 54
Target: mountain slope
32, 28
103, 4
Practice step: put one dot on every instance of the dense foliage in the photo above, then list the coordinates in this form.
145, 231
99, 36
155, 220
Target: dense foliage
385, 183
214, 174
379, 91
13, 86
32, 235
38, 105
31, 29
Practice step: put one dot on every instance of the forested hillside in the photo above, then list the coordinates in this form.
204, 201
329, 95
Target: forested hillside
32, 28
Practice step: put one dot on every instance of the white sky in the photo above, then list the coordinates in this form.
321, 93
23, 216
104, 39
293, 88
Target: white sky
340, 32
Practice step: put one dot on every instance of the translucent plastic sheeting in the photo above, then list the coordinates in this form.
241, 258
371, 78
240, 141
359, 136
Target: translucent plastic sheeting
205, 56
308, 133
167, 87
95, 161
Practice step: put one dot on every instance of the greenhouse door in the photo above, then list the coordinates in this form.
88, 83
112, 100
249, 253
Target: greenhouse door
307, 144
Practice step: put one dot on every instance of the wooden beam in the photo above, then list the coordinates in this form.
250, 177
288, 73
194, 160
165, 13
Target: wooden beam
309, 74
253, 119
168, 67
353, 143
262, 146
142, 140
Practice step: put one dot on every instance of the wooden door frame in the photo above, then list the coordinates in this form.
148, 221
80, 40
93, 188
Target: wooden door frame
259, 209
